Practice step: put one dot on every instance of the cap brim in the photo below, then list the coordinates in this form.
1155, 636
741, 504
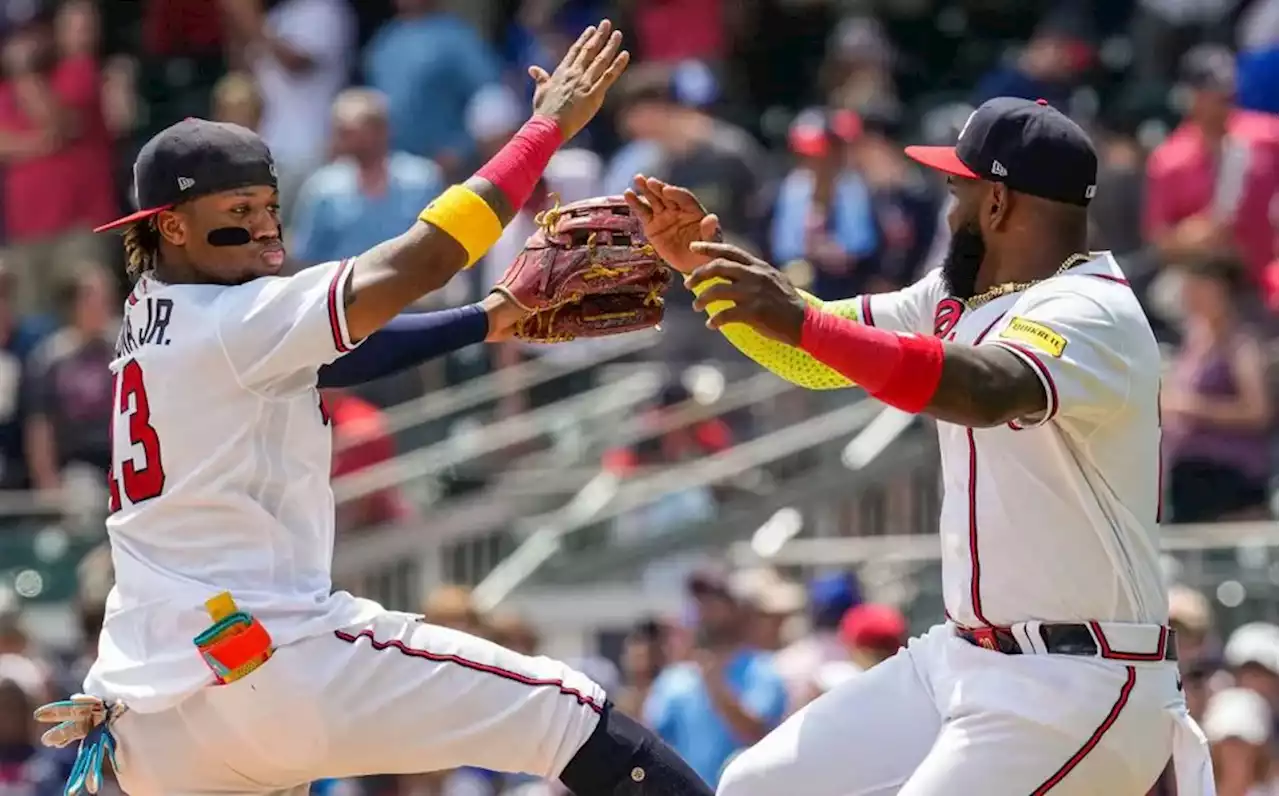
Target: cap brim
132, 217
942, 158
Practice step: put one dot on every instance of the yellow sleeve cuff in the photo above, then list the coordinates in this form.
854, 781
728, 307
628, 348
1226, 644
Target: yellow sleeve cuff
461, 214
790, 363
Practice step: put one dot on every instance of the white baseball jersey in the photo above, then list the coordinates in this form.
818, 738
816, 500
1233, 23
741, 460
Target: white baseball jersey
1051, 518
220, 476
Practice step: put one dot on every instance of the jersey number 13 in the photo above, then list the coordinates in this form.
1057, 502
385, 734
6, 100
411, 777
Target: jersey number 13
140, 470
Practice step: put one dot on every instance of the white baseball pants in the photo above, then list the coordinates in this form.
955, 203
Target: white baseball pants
945, 717
390, 697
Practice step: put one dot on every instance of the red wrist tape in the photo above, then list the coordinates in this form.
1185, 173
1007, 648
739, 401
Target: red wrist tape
518, 166
901, 370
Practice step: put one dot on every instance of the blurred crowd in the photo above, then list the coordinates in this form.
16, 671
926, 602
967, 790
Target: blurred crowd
787, 118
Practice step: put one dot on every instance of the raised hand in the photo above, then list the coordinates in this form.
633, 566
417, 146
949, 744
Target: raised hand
574, 92
748, 290
673, 218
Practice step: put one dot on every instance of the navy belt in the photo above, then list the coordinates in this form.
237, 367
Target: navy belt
1058, 639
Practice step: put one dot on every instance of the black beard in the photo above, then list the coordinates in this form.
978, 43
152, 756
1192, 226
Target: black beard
964, 258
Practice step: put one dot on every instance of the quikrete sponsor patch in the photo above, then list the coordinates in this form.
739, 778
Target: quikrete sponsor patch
1036, 335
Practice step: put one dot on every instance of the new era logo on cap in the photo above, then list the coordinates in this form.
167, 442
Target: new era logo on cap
185, 182
1028, 146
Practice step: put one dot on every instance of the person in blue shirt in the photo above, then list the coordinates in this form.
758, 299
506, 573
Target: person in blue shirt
368, 192
823, 215
429, 63
724, 700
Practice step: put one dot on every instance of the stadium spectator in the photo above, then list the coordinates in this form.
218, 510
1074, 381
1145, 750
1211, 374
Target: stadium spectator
728, 697
859, 65
770, 603
25, 766
58, 180
671, 31
1258, 61
183, 53
1163, 30
1241, 732
68, 389
1211, 185
19, 337
1218, 409
236, 99
1252, 654
872, 634
643, 659
824, 227
830, 597
1049, 66
300, 53
361, 441
905, 202
430, 64
369, 193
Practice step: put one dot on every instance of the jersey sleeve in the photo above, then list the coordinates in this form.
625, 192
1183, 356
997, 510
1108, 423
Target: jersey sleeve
274, 328
1075, 346
908, 310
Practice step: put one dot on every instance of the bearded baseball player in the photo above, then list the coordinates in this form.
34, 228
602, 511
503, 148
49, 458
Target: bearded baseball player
226, 665
1055, 670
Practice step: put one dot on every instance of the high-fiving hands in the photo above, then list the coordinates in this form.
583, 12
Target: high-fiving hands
574, 92
743, 289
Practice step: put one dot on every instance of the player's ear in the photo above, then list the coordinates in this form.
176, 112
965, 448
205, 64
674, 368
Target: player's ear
172, 227
997, 205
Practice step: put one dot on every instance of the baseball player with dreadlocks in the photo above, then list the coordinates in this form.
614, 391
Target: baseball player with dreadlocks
225, 664
1055, 670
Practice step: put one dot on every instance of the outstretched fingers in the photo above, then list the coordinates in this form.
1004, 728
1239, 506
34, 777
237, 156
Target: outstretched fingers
604, 59
593, 45
639, 205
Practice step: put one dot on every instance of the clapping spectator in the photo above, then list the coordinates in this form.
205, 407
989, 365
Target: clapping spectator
68, 384
370, 192
1218, 407
824, 228
429, 63
724, 700
300, 54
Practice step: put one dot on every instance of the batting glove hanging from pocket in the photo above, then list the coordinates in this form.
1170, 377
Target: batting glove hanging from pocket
85, 720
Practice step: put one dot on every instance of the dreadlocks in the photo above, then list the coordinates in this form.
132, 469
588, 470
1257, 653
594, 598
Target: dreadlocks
141, 247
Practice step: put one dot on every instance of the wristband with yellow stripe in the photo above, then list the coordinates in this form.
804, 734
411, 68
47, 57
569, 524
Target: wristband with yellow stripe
462, 215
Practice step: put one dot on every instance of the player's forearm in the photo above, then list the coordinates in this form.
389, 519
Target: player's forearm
453, 232
407, 341
974, 386
788, 362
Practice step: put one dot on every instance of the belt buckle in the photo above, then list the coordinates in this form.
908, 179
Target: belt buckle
985, 637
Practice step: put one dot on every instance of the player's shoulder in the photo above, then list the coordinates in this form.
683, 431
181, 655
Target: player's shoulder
1097, 287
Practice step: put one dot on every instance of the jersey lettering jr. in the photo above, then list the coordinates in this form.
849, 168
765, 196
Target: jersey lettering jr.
220, 474
1051, 518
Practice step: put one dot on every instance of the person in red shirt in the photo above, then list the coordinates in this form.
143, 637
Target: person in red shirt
57, 152
1211, 185
360, 441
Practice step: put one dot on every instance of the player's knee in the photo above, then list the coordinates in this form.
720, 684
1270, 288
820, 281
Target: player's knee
623, 758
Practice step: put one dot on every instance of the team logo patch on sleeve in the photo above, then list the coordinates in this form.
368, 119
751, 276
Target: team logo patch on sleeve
1036, 335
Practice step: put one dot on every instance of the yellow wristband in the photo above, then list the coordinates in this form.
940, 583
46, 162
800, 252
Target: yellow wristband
466, 218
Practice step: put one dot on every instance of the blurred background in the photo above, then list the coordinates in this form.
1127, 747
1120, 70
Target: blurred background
654, 508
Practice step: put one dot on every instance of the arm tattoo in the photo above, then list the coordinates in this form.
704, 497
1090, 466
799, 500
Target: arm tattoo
985, 386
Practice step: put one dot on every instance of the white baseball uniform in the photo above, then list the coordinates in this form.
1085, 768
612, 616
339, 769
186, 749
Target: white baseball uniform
1049, 519
220, 483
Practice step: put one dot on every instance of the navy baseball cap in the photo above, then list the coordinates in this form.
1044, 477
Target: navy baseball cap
195, 158
1028, 146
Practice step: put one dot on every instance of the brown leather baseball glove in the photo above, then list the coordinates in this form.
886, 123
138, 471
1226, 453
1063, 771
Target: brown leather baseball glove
587, 272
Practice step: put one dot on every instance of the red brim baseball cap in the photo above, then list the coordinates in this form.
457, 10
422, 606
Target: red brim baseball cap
195, 158
942, 158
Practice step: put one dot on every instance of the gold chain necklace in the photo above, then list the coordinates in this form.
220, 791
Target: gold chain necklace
1013, 287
